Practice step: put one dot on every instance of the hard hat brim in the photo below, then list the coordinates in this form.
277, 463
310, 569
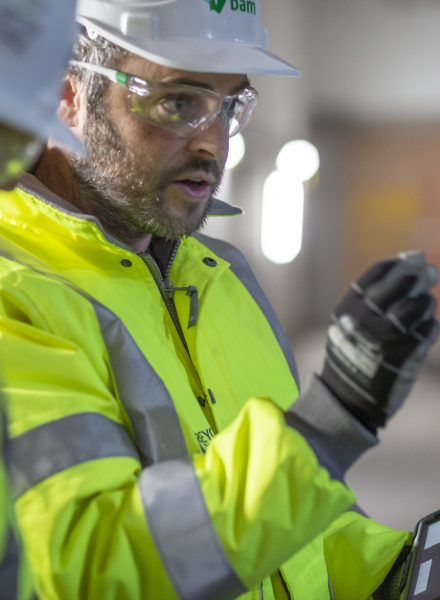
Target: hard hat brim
204, 56
217, 57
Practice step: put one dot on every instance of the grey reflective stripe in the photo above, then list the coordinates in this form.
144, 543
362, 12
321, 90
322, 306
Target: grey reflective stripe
144, 395
56, 446
10, 568
184, 535
9, 553
147, 401
242, 270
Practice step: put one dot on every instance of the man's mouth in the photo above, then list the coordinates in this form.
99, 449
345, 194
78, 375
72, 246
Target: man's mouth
195, 186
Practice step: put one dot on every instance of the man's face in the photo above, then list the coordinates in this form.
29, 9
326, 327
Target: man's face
140, 179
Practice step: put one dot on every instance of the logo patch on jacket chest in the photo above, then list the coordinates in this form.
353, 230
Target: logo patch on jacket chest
203, 438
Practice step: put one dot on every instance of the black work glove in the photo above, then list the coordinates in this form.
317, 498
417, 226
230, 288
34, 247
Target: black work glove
381, 332
391, 588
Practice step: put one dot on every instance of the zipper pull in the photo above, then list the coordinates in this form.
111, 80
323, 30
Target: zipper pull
191, 291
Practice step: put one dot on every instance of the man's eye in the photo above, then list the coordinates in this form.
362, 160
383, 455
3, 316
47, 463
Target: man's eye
176, 106
234, 107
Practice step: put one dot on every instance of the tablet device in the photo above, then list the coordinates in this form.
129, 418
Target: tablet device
422, 570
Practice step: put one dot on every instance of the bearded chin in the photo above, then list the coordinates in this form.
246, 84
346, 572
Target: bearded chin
128, 206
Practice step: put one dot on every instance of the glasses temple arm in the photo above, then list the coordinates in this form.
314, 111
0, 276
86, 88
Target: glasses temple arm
112, 74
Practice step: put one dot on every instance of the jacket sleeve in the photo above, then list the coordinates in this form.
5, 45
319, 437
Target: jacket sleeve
368, 551
96, 521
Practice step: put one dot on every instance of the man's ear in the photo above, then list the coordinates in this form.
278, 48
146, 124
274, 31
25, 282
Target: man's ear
70, 110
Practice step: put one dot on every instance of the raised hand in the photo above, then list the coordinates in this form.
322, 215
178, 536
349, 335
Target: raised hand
380, 334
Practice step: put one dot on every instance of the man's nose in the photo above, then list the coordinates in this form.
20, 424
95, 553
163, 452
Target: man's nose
213, 142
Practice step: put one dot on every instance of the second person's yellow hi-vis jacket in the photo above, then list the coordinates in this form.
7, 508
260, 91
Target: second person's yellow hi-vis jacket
151, 459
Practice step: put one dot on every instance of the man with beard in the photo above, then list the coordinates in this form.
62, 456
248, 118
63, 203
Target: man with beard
146, 371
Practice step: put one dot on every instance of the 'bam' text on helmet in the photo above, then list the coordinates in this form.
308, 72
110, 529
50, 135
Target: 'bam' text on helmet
247, 6
244, 6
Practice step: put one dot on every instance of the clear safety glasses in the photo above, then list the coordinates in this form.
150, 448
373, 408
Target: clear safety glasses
183, 109
18, 152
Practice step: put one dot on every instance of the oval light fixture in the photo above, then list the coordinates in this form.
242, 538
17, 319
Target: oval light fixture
282, 218
300, 158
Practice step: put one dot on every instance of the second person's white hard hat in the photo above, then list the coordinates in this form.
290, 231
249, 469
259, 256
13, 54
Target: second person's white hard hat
35, 45
214, 36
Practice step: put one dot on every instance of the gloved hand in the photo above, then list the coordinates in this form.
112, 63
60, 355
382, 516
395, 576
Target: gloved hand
381, 332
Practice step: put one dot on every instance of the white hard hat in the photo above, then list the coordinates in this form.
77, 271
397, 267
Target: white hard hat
214, 36
35, 44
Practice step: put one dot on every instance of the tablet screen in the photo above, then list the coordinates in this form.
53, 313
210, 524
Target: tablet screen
425, 573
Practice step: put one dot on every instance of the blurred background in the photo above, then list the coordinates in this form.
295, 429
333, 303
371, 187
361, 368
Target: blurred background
369, 102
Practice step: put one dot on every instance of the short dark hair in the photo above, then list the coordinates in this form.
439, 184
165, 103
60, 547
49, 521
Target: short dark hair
95, 50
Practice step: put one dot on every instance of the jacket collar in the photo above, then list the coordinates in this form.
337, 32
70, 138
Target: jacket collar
31, 185
220, 208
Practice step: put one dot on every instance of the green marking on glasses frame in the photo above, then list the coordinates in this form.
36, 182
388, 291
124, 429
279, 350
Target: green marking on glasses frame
121, 77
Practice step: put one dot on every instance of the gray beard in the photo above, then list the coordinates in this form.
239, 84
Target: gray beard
128, 201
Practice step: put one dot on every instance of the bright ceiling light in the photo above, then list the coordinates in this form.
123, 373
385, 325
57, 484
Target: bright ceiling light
237, 150
282, 217
300, 159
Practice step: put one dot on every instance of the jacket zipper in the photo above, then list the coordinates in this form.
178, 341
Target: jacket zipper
167, 290
191, 290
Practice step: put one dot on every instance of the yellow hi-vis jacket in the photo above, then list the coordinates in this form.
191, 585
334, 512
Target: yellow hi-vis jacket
151, 459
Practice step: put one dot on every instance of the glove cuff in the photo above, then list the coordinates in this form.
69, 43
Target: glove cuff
327, 421
354, 398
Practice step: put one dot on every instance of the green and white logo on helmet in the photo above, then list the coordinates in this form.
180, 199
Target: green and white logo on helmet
245, 6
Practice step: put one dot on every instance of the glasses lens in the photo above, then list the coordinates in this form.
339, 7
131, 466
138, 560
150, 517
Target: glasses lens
185, 110
18, 152
180, 109
240, 110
